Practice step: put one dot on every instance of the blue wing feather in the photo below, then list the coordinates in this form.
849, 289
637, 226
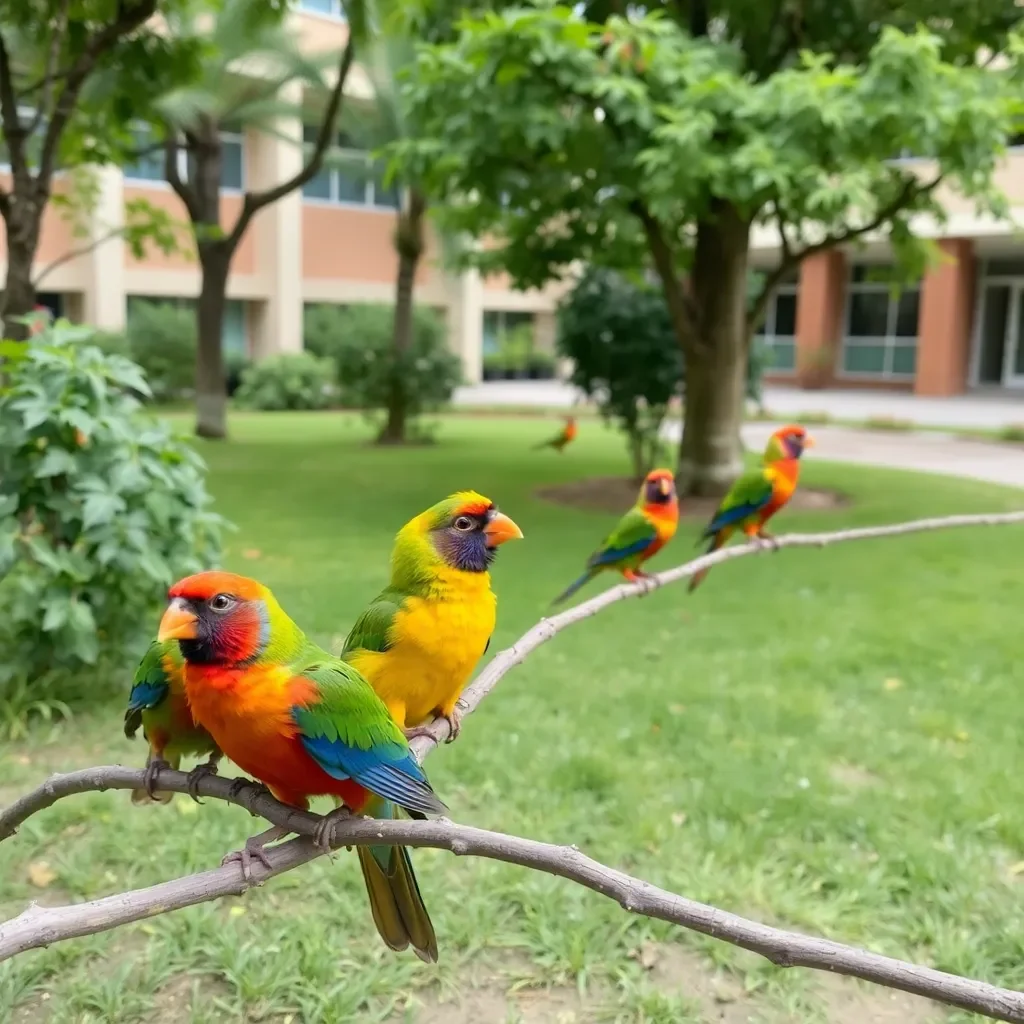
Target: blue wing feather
731, 516
146, 695
616, 554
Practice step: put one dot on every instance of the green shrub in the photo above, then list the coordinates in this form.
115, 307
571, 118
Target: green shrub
235, 364
291, 380
162, 340
101, 508
359, 340
541, 365
625, 356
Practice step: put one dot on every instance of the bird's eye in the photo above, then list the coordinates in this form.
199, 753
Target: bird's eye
464, 523
221, 603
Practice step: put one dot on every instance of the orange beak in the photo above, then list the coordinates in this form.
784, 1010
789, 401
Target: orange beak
501, 529
808, 441
179, 622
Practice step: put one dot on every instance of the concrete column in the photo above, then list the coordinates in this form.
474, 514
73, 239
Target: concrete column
944, 324
103, 300
819, 316
276, 156
465, 323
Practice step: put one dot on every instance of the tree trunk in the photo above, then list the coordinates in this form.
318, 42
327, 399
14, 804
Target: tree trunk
710, 455
409, 243
23, 225
211, 384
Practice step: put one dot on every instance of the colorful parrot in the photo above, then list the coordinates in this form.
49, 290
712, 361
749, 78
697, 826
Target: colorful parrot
562, 438
422, 636
305, 724
157, 703
759, 494
641, 533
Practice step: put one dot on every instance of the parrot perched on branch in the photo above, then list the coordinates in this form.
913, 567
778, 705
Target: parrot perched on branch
422, 636
759, 494
562, 438
157, 703
641, 533
305, 724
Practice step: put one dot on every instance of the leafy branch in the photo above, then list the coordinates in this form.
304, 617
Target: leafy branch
41, 926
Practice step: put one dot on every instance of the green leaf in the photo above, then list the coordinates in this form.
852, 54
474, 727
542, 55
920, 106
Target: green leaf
99, 508
55, 462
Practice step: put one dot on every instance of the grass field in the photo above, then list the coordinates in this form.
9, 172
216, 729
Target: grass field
826, 739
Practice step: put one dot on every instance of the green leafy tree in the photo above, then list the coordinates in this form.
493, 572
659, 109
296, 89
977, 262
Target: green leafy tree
662, 135
625, 357
237, 33
72, 78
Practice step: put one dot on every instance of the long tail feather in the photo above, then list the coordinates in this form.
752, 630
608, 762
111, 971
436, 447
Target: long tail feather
395, 901
572, 588
697, 578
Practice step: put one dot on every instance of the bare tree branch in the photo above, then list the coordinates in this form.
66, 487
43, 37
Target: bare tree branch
184, 190
47, 82
255, 201
74, 252
129, 17
41, 926
911, 189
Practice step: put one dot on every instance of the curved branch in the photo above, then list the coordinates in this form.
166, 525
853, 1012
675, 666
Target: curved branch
40, 926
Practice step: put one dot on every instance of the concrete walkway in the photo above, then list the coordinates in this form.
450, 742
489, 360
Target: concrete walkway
930, 452
975, 411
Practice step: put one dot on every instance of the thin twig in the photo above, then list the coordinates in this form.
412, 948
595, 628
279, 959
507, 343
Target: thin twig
41, 926
76, 252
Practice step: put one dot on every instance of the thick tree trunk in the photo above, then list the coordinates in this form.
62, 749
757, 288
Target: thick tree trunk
211, 384
409, 243
710, 455
23, 226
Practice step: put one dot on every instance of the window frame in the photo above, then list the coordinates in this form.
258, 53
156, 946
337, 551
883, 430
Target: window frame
229, 135
768, 336
890, 341
336, 13
369, 186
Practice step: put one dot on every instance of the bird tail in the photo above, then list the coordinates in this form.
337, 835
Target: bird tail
542, 444
697, 578
140, 796
573, 587
395, 900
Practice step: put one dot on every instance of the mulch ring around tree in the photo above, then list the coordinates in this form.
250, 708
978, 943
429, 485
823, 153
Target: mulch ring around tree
615, 494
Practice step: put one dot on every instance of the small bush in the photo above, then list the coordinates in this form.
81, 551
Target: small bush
162, 340
625, 356
291, 380
541, 366
101, 508
359, 340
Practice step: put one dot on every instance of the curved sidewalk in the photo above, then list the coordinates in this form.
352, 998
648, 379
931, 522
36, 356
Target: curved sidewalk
916, 450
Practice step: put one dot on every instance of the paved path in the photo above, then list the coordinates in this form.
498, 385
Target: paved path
930, 452
978, 411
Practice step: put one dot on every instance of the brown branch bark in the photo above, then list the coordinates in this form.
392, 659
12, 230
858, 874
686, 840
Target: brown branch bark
74, 253
39, 926
256, 201
912, 189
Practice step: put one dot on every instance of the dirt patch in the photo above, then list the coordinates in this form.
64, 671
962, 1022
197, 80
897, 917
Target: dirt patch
848, 1001
617, 493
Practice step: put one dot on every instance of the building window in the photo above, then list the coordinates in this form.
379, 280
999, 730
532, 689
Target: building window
778, 331
353, 177
880, 338
500, 327
150, 166
329, 8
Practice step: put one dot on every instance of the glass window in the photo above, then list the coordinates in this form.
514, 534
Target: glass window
490, 332
869, 315
778, 330
785, 314
233, 333
498, 327
881, 325
1004, 268
148, 167
332, 8
352, 176
232, 161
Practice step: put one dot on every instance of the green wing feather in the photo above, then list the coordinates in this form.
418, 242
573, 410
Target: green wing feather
348, 731
747, 496
372, 628
631, 535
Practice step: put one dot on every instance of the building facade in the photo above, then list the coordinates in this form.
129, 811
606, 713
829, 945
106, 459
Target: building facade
331, 242
838, 322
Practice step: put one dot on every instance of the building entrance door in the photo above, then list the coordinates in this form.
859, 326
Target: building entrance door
1001, 335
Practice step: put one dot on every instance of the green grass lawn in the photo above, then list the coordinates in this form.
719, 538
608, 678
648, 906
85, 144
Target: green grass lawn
823, 738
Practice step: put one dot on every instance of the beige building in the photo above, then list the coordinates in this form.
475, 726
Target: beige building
331, 242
